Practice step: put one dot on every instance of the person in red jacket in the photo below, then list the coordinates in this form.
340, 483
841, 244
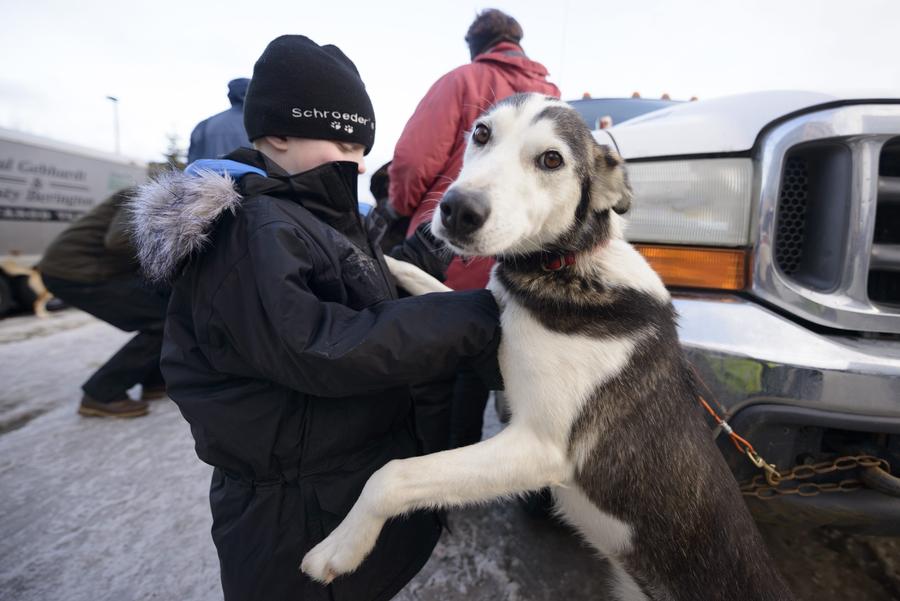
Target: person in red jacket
428, 156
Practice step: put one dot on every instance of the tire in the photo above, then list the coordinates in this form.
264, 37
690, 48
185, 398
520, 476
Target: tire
23, 295
7, 302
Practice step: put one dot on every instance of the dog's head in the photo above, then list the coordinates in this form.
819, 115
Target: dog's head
533, 178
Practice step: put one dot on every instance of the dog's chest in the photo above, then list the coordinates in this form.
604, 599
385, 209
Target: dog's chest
549, 375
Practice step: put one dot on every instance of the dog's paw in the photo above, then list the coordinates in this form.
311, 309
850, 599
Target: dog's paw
317, 564
343, 550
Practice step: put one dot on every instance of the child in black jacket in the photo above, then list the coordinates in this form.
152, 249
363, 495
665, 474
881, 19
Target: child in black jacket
286, 347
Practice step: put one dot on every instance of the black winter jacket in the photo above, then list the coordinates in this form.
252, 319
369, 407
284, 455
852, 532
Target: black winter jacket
290, 356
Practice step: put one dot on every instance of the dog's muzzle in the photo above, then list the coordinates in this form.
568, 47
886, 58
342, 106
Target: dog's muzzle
463, 213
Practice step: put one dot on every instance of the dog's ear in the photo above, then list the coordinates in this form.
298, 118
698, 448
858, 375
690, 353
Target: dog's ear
609, 182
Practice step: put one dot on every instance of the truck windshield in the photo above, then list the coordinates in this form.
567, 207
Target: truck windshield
620, 109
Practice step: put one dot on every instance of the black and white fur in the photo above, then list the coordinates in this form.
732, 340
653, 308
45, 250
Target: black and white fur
604, 409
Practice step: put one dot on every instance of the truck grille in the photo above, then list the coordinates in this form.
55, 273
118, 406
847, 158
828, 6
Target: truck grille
829, 218
791, 221
884, 267
811, 223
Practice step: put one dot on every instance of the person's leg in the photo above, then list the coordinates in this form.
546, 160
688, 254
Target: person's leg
153, 386
128, 305
132, 364
470, 397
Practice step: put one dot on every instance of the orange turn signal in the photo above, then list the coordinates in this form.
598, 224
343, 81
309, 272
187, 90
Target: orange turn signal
698, 267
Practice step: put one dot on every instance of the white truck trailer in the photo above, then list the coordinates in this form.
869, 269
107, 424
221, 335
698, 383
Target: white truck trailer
44, 186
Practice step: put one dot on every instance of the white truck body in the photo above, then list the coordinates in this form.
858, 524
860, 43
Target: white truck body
45, 185
722, 125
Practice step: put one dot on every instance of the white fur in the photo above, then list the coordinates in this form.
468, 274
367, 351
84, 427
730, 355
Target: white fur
521, 219
548, 375
412, 279
172, 216
604, 532
620, 264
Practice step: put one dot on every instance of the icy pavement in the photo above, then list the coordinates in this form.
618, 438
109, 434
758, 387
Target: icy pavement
98, 509
116, 510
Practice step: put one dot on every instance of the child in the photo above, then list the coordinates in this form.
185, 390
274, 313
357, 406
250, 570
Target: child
285, 345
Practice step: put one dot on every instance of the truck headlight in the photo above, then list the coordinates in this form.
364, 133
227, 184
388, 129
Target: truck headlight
691, 219
703, 201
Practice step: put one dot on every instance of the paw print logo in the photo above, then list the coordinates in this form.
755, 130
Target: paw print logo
335, 125
348, 129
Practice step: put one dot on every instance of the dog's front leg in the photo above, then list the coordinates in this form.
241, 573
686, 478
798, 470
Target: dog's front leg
512, 462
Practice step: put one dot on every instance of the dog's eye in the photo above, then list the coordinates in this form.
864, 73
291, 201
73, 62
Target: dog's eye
551, 160
481, 134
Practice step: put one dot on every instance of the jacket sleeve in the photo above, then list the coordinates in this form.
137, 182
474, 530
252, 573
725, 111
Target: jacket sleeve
328, 349
118, 237
424, 147
194, 148
118, 234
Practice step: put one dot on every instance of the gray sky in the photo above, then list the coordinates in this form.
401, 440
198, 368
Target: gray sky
169, 62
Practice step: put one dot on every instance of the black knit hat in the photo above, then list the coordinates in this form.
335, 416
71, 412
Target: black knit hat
302, 90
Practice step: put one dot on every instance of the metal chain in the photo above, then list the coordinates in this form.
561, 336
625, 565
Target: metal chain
762, 488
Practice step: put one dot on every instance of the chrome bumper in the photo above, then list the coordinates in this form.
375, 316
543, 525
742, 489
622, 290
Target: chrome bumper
784, 387
748, 354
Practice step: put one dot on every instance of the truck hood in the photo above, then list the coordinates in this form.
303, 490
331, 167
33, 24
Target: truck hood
720, 125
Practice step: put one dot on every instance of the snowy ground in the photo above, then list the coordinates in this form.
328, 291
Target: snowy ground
116, 510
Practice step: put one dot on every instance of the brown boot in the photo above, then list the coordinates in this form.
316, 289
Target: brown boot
153, 393
123, 407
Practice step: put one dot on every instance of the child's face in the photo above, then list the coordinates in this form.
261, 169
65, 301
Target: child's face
296, 155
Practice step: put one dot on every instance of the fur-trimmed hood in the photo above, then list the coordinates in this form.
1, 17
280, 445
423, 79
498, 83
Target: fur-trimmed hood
172, 217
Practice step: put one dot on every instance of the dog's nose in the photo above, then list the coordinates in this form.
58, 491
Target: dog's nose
462, 213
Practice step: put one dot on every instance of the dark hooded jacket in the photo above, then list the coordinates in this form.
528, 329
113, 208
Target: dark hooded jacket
290, 356
220, 134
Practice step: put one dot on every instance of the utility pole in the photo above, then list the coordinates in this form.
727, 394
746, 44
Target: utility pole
115, 103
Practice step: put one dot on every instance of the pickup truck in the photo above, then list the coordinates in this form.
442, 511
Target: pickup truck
774, 219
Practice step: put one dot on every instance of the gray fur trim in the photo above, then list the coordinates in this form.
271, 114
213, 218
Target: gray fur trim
171, 218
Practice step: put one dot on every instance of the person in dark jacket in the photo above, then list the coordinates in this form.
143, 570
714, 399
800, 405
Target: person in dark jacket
286, 347
223, 132
92, 266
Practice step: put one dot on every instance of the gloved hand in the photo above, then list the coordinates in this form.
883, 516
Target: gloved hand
425, 252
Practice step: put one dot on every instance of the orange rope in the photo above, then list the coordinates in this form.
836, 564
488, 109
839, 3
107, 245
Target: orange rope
735, 438
744, 447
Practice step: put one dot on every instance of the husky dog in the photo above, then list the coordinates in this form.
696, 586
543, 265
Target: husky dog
604, 409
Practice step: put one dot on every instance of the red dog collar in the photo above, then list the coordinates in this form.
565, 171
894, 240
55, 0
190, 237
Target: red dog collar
557, 262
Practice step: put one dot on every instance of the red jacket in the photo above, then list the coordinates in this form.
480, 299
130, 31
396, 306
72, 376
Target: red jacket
428, 156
